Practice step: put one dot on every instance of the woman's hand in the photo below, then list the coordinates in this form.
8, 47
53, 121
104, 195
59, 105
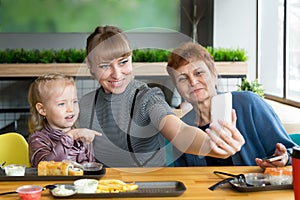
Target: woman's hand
280, 150
85, 135
225, 141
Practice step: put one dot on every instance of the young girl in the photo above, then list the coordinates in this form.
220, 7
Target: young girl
54, 108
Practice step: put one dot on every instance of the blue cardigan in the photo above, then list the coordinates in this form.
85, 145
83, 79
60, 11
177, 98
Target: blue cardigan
257, 122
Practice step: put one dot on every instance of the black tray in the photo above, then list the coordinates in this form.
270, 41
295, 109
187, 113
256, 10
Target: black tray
241, 188
31, 175
145, 189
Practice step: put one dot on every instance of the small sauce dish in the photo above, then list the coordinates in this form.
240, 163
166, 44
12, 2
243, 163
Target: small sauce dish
86, 185
15, 170
257, 179
92, 168
32, 192
63, 190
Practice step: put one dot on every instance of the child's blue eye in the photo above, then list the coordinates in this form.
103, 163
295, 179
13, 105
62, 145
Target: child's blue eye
61, 104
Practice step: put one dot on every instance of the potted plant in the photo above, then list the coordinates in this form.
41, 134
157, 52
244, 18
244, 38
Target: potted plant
253, 86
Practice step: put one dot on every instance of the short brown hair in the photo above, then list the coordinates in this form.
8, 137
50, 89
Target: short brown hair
189, 52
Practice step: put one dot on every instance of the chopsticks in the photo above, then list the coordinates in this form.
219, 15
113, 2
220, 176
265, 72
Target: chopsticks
240, 178
220, 183
44, 188
225, 173
1, 166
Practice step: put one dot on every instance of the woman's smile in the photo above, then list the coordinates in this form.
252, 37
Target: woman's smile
116, 83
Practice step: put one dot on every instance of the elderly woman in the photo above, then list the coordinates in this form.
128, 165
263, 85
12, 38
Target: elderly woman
194, 74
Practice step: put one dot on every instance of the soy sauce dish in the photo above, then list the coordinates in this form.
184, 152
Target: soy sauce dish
92, 168
258, 179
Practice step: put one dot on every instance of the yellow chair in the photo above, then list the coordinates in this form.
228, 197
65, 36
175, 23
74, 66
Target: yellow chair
14, 149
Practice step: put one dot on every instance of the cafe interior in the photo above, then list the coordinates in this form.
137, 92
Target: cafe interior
267, 31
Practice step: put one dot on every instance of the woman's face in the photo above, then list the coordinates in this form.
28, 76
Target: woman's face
113, 76
195, 82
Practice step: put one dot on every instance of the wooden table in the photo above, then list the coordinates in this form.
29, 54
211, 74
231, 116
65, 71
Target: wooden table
196, 179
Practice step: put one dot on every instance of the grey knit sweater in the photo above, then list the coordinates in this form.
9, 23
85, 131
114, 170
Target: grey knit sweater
112, 119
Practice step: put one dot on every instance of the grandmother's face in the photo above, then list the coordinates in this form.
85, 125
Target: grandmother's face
195, 82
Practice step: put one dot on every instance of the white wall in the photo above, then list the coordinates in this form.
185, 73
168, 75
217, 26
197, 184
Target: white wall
235, 27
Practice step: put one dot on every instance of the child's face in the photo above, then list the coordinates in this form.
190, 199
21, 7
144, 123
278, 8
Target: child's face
61, 107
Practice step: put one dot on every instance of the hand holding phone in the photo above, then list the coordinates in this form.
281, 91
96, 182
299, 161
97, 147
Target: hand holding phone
273, 158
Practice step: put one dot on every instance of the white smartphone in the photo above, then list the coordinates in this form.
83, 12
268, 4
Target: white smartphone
221, 106
273, 158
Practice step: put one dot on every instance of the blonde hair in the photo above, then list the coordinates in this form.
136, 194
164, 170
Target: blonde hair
107, 43
39, 91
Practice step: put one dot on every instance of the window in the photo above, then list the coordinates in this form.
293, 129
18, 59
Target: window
279, 49
293, 50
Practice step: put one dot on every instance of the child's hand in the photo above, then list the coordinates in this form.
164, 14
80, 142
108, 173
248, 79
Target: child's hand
83, 134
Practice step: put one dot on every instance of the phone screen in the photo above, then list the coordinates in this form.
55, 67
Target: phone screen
273, 158
221, 106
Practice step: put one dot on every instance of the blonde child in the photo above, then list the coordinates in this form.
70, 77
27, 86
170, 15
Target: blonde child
54, 111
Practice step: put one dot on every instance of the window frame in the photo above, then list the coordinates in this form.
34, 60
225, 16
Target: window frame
284, 99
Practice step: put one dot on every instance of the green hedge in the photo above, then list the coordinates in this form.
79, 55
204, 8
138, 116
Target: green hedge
78, 55
223, 54
42, 56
